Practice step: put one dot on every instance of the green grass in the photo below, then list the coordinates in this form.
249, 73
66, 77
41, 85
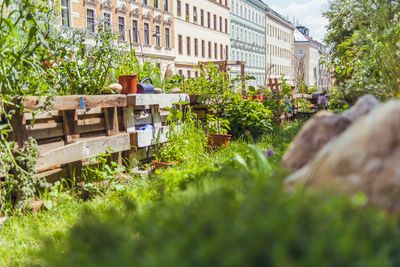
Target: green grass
22, 237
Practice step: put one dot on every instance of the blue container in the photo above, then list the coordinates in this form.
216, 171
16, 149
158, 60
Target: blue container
145, 88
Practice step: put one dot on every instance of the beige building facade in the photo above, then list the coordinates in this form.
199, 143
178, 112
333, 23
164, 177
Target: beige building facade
310, 66
280, 47
146, 24
201, 33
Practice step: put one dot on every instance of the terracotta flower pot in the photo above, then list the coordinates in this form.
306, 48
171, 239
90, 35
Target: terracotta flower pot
219, 140
161, 165
129, 83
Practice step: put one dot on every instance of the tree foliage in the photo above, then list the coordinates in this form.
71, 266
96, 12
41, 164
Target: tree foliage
364, 40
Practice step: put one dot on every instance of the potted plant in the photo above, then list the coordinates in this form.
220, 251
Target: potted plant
217, 130
126, 73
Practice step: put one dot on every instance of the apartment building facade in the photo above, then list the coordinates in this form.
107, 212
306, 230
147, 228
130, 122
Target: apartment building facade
309, 64
146, 24
201, 34
280, 47
248, 40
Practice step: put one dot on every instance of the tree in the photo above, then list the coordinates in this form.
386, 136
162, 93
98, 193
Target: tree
363, 38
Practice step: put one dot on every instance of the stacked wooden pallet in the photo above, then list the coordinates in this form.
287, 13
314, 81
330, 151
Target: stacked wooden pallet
77, 128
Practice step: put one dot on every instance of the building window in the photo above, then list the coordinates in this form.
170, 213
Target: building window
196, 47
121, 28
90, 19
221, 51
202, 17
158, 36
220, 24
65, 13
209, 50
195, 14
226, 25
180, 73
226, 52
187, 12
135, 31
167, 38
146, 34
300, 52
208, 20
188, 74
166, 6
107, 20
179, 8
203, 49
215, 50
156, 3
196, 74
180, 45
215, 22
188, 46
145, 2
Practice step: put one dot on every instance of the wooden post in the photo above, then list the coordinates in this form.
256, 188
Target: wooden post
111, 121
18, 133
242, 75
71, 135
276, 83
270, 84
70, 126
156, 116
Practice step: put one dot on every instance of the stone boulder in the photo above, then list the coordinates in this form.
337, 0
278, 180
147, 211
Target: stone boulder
321, 129
315, 134
365, 158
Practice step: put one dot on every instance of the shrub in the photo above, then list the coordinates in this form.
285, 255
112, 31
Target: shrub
247, 117
278, 101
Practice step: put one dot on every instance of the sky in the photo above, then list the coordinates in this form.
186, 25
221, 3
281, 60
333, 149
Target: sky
307, 12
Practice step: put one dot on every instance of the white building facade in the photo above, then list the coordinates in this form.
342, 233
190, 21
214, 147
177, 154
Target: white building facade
201, 34
248, 38
280, 47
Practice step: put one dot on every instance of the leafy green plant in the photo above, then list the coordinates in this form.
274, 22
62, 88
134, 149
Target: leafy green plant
185, 139
302, 104
278, 100
102, 176
83, 63
24, 29
247, 117
214, 125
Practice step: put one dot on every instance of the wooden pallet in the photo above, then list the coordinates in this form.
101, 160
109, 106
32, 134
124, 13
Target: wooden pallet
77, 128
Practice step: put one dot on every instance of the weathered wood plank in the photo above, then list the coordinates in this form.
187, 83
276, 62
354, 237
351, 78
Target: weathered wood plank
163, 100
32, 103
40, 132
83, 149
